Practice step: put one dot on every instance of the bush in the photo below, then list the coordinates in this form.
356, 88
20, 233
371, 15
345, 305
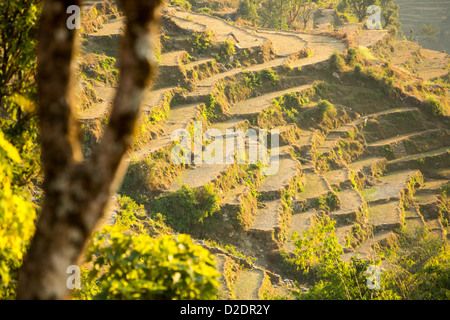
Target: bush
445, 189
226, 50
187, 207
138, 267
269, 74
352, 56
201, 41
419, 267
183, 4
290, 100
336, 61
358, 70
17, 216
252, 79
434, 106
248, 10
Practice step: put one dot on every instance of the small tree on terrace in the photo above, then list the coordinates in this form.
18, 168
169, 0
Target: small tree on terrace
358, 7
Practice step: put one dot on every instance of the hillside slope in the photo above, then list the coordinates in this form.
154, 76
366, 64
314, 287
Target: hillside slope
357, 157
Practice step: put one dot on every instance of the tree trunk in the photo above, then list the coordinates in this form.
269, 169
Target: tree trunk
76, 190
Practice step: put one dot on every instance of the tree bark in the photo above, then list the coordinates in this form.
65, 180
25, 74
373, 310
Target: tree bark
76, 190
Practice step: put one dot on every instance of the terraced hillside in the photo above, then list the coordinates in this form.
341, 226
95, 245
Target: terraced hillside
349, 148
414, 13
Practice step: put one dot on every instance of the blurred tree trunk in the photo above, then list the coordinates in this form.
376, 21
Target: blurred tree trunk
77, 190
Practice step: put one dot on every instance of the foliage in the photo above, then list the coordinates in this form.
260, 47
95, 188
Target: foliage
107, 63
18, 31
138, 258
434, 106
273, 14
248, 10
204, 10
201, 41
327, 110
214, 106
330, 202
443, 204
257, 78
419, 266
136, 267
271, 75
352, 57
429, 32
19, 147
226, 50
317, 252
183, 4
445, 189
389, 13
17, 216
187, 207
357, 7
336, 62
252, 79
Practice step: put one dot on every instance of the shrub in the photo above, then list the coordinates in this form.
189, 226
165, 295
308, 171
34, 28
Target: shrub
358, 70
328, 203
445, 189
248, 10
17, 216
201, 41
204, 10
187, 207
327, 110
252, 79
434, 106
352, 56
290, 100
336, 61
138, 267
226, 50
269, 74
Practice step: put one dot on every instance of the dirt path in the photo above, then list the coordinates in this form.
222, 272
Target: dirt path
105, 94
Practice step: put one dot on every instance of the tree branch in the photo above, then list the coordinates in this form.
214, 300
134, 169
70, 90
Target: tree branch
77, 192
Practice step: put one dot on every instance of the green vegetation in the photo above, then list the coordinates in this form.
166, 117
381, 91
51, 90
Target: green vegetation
146, 253
107, 63
328, 203
357, 7
248, 9
443, 204
226, 50
337, 62
20, 167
